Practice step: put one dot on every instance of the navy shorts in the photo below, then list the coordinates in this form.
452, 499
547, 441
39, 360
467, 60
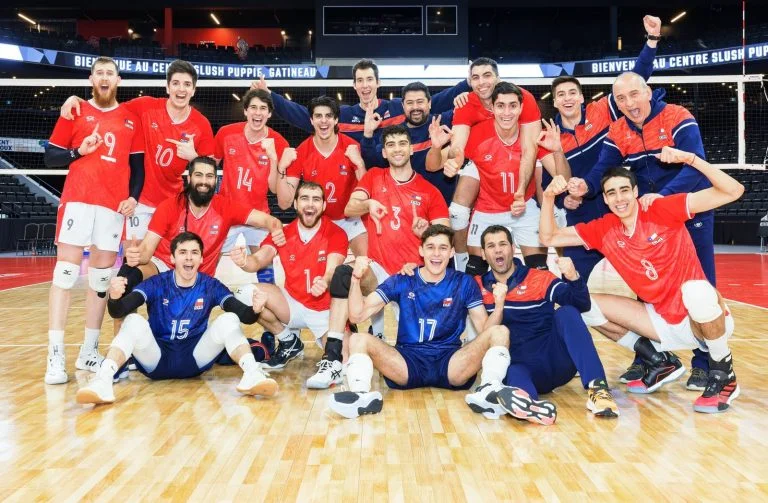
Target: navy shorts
176, 361
428, 367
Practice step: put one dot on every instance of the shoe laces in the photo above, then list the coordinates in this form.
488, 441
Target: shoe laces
697, 373
601, 394
325, 366
636, 367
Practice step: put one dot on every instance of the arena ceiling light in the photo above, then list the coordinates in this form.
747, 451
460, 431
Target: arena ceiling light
25, 18
236, 96
677, 18
215, 19
546, 96
597, 95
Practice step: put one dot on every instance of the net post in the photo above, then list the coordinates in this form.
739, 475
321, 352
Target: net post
741, 126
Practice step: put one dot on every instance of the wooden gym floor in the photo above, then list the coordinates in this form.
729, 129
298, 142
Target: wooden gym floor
199, 440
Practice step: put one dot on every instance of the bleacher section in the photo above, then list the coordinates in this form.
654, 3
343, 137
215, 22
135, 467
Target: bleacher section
16, 201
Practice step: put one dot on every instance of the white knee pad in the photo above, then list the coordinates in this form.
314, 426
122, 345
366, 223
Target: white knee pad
226, 330
359, 372
244, 294
65, 275
594, 317
459, 216
98, 279
134, 334
700, 299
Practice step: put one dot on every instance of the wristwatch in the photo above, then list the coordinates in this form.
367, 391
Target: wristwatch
652, 37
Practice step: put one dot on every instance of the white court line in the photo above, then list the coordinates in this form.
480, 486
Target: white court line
748, 304
23, 286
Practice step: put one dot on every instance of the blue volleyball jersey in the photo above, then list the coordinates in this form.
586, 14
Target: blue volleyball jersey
181, 313
432, 315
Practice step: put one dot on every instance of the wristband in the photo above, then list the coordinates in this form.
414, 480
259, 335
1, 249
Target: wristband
653, 37
693, 159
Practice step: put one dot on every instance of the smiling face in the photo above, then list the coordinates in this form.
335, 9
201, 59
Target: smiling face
202, 181
104, 79
633, 97
397, 150
620, 196
324, 122
186, 260
483, 79
256, 115
180, 89
498, 251
568, 100
309, 205
506, 111
437, 251
416, 106
366, 84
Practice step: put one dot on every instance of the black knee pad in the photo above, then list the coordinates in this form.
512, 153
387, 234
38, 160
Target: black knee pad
132, 274
340, 281
537, 261
476, 266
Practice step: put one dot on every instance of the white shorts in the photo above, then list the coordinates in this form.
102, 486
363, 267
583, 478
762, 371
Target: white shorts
138, 224
353, 226
161, 266
560, 219
304, 317
524, 229
680, 336
253, 236
81, 224
470, 170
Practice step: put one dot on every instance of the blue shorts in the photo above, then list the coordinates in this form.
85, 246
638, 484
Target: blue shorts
428, 367
176, 361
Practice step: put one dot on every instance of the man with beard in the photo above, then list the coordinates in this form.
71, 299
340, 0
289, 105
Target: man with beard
174, 134
417, 103
331, 160
103, 150
315, 246
548, 346
397, 205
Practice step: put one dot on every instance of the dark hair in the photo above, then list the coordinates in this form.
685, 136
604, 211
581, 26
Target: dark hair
105, 59
620, 172
181, 66
305, 184
260, 94
483, 62
416, 87
565, 80
506, 88
365, 64
325, 101
493, 229
201, 159
437, 230
394, 130
183, 237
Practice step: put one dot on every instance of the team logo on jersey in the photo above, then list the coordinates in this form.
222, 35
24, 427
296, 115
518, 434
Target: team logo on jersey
386, 115
416, 201
232, 151
343, 169
214, 229
90, 118
655, 239
199, 303
411, 296
698, 224
621, 243
263, 160
383, 189
129, 124
165, 302
521, 289
587, 125
355, 120
292, 258
447, 302
182, 229
321, 257
488, 157
154, 125
314, 173
662, 136
184, 137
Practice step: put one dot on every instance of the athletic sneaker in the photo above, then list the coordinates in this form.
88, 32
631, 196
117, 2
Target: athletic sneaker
256, 382
286, 351
89, 360
351, 404
484, 401
698, 379
132, 364
56, 371
122, 373
665, 369
377, 335
520, 405
97, 391
329, 374
634, 372
600, 400
721, 388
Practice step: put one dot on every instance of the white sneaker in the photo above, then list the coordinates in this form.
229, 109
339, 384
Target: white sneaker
121, 374
89, 360
351, 404
97, 391
484, 401
256, 382
329, 374
56, 371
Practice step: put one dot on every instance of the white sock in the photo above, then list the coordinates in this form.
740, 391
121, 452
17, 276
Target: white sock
495, 363
460, 260
335, 335
56, 338
107, 370
285, 335
718, 348
90, 340
359, 372
628, 340
248, 363
377, 322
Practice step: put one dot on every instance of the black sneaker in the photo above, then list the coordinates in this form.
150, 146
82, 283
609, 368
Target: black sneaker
634, 372
379, 335
698, 380
286, 351
665, 367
